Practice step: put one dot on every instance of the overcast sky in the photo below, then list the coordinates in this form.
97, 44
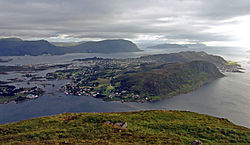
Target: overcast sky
214, 22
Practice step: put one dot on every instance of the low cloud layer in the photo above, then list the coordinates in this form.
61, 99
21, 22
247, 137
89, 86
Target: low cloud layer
170, 20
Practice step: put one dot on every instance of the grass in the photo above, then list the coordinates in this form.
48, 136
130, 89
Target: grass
5, 99
144, 127
232, 63
166, 80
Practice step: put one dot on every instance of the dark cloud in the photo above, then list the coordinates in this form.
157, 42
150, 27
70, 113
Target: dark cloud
101, 19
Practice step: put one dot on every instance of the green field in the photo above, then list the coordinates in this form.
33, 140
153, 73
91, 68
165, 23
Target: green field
144, 127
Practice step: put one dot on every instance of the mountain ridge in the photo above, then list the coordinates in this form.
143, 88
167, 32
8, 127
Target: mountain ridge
106, 46
168, 45
19, 47
159, 81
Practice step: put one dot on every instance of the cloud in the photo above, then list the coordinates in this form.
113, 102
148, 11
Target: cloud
188, 20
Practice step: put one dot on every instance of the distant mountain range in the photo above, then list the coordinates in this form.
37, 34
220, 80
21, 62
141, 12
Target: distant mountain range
19, 47
106, 46
166, 45
195, 45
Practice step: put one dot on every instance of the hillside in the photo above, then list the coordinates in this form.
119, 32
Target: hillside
143, 127
18, 47
66, 44
134, 81
187, 56
158, 81
106, 46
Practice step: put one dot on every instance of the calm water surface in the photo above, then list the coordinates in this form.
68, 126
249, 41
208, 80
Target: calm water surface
227, 97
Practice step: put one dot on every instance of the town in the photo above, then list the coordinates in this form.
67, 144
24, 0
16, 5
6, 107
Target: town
96, 79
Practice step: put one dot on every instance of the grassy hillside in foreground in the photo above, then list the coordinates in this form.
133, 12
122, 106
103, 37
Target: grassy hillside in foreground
144, 127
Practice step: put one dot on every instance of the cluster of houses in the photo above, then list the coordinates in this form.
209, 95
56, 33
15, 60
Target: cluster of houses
230, 68
71, 89
116, 94
29, 93
85, 80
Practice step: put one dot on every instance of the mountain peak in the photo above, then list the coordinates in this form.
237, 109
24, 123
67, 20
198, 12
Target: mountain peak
167, 45
107, 46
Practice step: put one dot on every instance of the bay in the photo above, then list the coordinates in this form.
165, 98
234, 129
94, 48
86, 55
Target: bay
227, 97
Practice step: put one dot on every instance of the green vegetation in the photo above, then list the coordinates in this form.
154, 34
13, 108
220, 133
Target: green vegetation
11, 93
232, 63
6, 99
65, 44
144, 127
148, 78
188, 56
114, 80
157, 81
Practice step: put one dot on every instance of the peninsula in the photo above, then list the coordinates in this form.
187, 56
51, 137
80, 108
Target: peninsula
148, 78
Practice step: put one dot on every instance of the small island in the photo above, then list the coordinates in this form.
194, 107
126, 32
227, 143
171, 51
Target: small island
10, 93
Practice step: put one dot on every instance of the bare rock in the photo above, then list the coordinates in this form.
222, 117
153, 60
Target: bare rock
197, 142
108, 123
122, 125
125, 125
